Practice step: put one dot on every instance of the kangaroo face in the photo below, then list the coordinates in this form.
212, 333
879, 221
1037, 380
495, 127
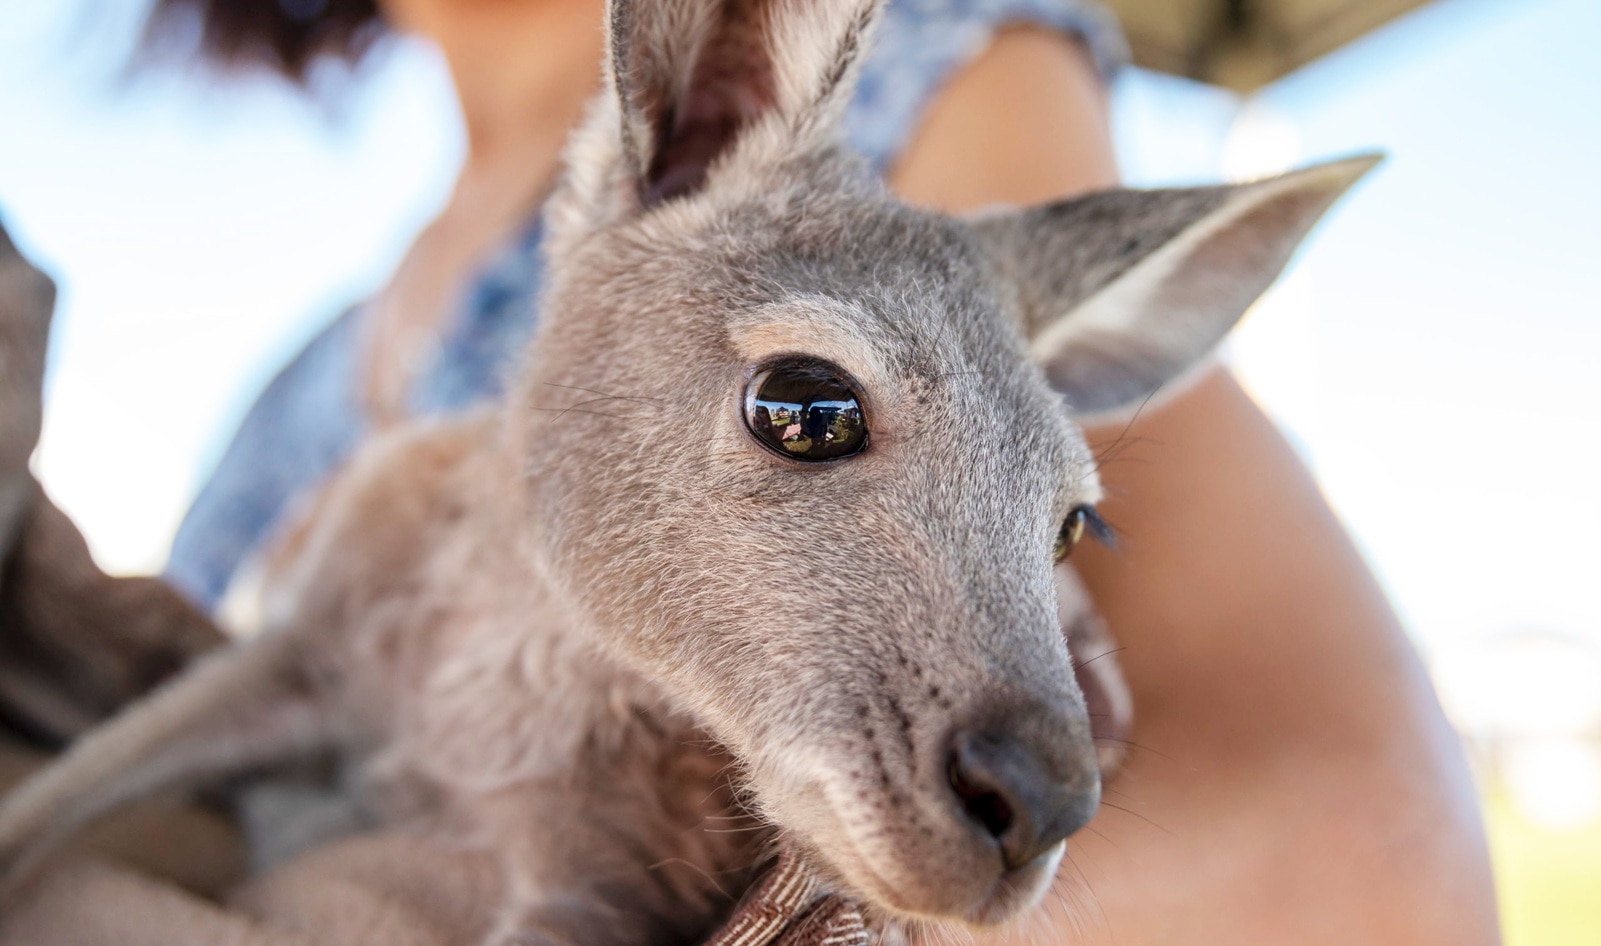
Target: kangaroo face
820, 499
806, 456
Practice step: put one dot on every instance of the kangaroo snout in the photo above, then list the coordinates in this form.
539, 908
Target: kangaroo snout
1019, 797
962, 814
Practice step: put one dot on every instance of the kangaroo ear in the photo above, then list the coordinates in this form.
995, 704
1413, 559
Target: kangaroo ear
1123, 291
692, 75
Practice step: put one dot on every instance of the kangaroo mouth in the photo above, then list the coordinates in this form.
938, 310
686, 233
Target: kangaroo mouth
1017, 890
1009, 894
891, 856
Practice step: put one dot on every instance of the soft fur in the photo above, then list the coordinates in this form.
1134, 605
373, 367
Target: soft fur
604, 640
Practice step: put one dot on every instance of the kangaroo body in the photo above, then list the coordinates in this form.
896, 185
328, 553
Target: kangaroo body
759, 549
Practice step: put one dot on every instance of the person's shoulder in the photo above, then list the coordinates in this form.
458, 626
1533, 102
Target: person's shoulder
956, 23
1025, 122
922, 46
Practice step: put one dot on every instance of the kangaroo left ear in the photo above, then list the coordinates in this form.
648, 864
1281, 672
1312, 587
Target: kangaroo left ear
1123, 291
693, 76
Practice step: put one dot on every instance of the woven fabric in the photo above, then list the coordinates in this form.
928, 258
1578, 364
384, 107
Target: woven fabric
789, 908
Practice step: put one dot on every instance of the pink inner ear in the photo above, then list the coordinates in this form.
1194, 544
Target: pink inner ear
731, 86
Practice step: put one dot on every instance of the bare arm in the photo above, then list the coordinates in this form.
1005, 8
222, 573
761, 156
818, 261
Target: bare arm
1294, 779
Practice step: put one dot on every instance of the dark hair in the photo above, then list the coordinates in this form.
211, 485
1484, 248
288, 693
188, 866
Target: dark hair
285, 36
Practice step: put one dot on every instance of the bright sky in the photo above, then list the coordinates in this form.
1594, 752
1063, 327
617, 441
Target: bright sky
199, 235
1457, 311
1435, 354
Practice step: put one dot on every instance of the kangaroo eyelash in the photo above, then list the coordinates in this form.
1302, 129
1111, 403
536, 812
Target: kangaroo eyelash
1099, 529
1081, 520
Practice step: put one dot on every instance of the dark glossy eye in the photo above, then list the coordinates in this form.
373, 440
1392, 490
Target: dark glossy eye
805, 409
1081, 520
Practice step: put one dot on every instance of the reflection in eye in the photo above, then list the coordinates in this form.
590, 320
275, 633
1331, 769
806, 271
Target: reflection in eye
805, 409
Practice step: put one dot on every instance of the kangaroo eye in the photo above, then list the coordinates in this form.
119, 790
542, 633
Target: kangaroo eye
1081, 520
805, 409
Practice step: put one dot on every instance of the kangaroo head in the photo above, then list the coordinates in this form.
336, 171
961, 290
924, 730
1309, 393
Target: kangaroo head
807, 456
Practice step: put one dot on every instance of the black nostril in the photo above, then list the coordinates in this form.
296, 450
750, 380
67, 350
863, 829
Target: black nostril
1005, 790
987, 807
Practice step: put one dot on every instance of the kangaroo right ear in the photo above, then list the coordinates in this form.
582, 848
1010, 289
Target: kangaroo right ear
1122, 291
691, 76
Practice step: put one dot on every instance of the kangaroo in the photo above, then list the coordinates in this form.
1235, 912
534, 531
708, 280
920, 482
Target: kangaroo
760, 550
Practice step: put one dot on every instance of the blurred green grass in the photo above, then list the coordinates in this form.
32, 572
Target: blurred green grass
1549, 881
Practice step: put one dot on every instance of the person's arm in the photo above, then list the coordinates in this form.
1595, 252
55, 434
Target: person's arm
1292, 778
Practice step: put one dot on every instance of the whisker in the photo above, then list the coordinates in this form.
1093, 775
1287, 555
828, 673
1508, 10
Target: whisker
563, 411
1134, 417
1104, 653
603, 394
1133, 813
1095, 899
694, 867
1130, 744
1103, 837
1118, 447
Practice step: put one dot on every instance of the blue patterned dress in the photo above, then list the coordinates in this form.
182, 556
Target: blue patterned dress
310, 417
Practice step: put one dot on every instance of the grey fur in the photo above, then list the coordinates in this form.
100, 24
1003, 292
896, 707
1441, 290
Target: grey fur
574, 629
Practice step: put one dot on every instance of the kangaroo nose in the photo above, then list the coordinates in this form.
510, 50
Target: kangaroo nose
1009, 795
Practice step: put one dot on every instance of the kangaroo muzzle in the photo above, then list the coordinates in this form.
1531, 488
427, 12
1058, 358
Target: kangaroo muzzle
1024, 800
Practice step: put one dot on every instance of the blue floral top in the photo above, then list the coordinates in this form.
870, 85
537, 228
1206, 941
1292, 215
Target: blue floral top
310, 417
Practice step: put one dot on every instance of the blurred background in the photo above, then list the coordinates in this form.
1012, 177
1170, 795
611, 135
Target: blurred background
1435, 353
